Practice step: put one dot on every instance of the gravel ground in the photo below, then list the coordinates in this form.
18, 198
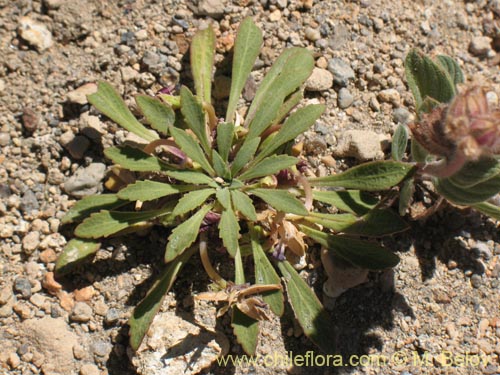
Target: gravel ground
436, 313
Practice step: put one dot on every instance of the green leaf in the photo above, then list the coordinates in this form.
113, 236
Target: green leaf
243, 204
246, 49
488, 209
191, 177
185, 234
192, 200
313, 318
418, 153
244, 155
269, 166
105, 223
467, 196
87, 205
224, 197
378, 223
108, 102
475, 172
76, 251
359, 253
202, 61
427, 78
220, 166
229, 230
353, 201
246, 330
452, 67
290, 103
281, 200
191, 148
335, 222
372, 176
296, 124
158, 114
289, 71
145, 311
225, 135
134, 159
406, 195
265, 274
194, 116
399, 143
149, 190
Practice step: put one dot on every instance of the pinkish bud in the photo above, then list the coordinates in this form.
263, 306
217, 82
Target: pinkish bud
462, 131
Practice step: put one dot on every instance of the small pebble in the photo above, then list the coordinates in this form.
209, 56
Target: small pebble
112, 316
319, 80
342, 71
22, 286
81, 312
345, 98
480, 46
79, 96
390, 96
89, 369
36, 34
476, 281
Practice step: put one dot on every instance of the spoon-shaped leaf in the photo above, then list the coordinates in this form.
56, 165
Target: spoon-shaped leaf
149, 190
75, 252
246, 49
158, 114
202, 61
108, 102
87, 205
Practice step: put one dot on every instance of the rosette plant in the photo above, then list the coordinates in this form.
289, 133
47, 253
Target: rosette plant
234, 184
456, 137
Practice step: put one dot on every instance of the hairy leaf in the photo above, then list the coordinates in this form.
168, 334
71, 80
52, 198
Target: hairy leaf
93, 203
109, 102
185, 234
192, 200
243, 204
105, 223
195, 117
265, 274
246, 330
221, 167
378, 223
312, 317
145, 311
192, 149
202, 61
427, 78
406, 195
135, 160
399, 143
76, 251
158, 114
229, 230
353, 201
289, 71
269, 166
467, 196
246, 49
296, 124
191, 177
281, 200
475, 172
359, 253
244, 155
488, 209
335, 222
290, 103
372, 176
224, 197
150, 190
452, 67
225, 135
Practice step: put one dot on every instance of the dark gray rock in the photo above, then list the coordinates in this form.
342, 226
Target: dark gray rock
23, 286
85, 181
342, 71
29, 202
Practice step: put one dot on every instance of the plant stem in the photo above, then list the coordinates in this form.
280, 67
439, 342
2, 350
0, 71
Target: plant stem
205, 260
